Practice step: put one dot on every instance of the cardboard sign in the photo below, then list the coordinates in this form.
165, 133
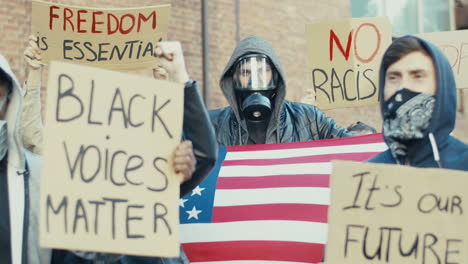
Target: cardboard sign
121, 39
397, 214
344, 58
454, 44
107, 184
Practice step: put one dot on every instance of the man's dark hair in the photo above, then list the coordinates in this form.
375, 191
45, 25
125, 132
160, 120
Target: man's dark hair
400, 48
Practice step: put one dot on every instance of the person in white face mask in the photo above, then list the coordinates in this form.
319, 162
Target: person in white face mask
19, 173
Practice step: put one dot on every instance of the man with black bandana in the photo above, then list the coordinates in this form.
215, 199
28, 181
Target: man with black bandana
253, 83
418, 89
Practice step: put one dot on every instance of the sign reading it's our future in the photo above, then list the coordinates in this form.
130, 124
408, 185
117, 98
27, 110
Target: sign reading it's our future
384, 213
107, 184
120, 39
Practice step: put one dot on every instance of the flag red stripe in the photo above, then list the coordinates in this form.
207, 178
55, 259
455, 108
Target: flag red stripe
359, 156
274, 181
254, 250
373, 138
293, 212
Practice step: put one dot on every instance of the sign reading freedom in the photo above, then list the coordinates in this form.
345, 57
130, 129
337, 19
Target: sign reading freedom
121, 39
107, 184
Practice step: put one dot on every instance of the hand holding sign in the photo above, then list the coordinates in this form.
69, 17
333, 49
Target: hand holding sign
32, 54
184, 161
171, 59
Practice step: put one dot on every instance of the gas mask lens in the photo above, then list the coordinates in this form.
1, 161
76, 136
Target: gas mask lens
253, 72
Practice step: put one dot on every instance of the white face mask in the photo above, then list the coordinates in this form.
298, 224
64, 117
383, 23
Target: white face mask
3, 102
3, 139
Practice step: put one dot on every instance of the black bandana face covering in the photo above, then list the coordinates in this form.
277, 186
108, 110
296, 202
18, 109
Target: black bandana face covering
406, 119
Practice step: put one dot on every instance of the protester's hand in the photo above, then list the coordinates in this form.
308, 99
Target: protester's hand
309, 97
171, 59
184, 161
160, 73
32, 54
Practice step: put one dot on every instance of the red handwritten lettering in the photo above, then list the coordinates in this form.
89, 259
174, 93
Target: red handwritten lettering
377, 47
132, 24
141, 17
52, 15
66, 18
81, 20
93, 26
334, 38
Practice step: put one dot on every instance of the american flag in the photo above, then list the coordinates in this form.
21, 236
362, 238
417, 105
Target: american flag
267, 203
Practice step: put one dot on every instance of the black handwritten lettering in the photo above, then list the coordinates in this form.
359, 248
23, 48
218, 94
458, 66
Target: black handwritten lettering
65, 48
166, 181
118, 99
91, 99
358, 191
96, 215
319, 87
78, 157
80, 213
158, 215
62, 206
83, 162
114, 203
129, 168
450, 252
428, 245
135, 218
156, 114
62, 95
399, 199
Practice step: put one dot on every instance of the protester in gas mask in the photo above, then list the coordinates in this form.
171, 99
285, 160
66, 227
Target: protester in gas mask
253, 83
418, 105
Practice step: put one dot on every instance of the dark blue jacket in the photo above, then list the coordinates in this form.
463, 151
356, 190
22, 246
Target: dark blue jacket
453, 152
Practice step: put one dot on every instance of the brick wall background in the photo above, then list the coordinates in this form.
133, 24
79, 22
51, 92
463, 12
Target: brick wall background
281, 22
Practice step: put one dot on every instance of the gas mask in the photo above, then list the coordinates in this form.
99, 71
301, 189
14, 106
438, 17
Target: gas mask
407, 118
255, 86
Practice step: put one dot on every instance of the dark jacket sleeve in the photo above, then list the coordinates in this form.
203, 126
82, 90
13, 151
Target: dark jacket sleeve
198, 129
328, 128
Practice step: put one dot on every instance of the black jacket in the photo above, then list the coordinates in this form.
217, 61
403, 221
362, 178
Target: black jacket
290, 122
197, 128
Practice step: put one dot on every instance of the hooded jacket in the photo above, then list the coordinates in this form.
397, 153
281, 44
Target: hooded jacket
289, 122
453, 153
23, 177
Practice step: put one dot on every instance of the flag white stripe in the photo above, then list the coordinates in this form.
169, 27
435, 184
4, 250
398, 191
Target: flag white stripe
298, 231
299, 152
284, 195
283, 169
